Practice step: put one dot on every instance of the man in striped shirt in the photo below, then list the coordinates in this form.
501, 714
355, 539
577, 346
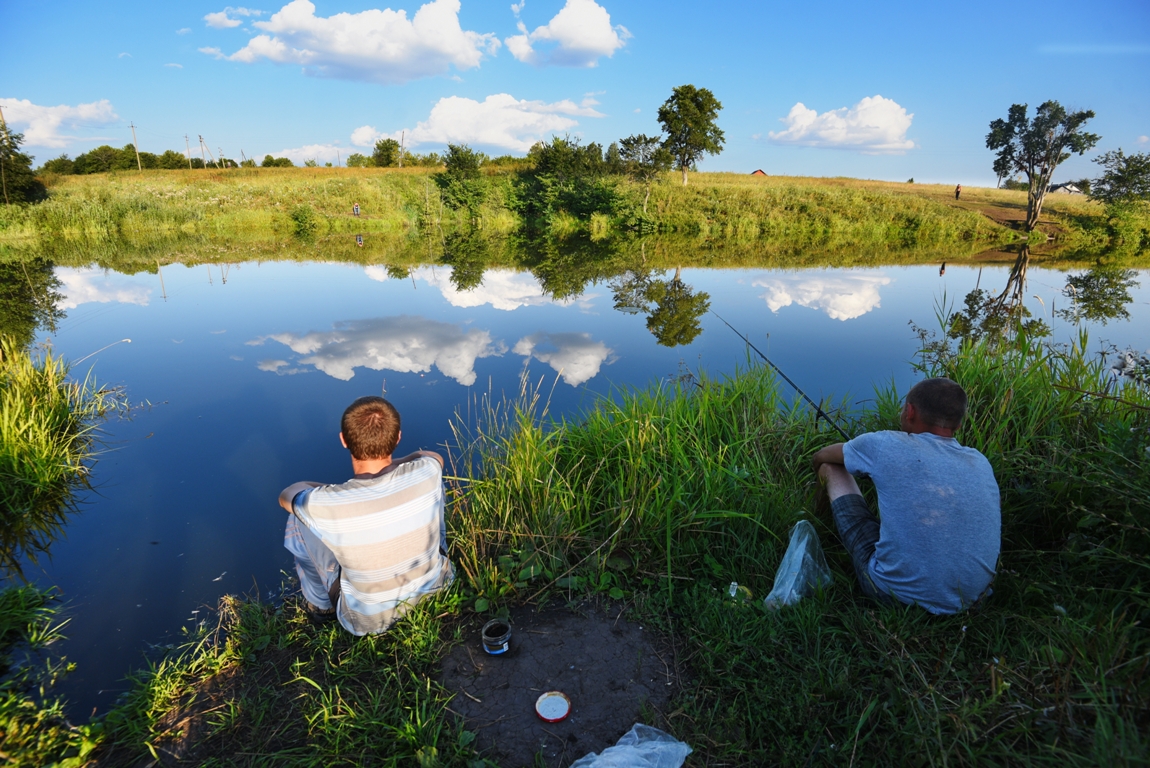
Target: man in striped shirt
369, 549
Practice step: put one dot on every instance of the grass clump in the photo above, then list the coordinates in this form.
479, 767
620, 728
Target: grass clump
33, 729
47, 425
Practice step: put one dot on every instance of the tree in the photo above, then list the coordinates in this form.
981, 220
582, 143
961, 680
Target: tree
1036, 147
386, 153
276, 162
688, 119
17, 182
28, 299
675, 317
356, 160
1126, 179
1099, 295
644, 158
461, 183
62, 165
173, 161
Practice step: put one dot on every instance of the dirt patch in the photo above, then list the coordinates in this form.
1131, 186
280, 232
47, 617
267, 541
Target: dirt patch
615, 672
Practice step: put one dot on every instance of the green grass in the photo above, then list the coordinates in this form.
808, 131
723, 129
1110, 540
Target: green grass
663, 497
47, 425
253, 204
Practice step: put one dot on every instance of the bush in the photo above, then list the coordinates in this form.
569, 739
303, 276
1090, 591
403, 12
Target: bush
276, 162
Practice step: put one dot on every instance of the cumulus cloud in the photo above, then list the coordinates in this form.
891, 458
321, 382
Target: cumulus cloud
175, 66
42, 126
874, 126
86, 286
500, 120
843, 297
321, 153
223, 19
1143, 139
184, 31
382, 46
405, 344
501, 288
578, 36
575, 356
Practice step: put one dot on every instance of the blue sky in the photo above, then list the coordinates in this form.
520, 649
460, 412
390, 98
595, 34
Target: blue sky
873, 90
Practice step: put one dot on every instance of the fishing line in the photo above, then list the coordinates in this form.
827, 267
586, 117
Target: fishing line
819, 412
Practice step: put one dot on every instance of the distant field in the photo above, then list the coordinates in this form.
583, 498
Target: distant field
778, 215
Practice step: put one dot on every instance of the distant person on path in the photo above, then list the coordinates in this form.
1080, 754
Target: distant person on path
359, 240
938, 540
957, 192
355, 209
369, 549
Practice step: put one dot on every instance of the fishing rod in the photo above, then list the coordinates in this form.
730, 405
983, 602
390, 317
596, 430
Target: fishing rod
819, 412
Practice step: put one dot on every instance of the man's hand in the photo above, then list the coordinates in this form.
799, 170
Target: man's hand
287, 495
831, 454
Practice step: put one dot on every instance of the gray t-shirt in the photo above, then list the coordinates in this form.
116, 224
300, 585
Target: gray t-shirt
940, 523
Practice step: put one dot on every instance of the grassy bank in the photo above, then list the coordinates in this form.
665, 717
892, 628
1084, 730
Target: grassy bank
267, 203
661, 498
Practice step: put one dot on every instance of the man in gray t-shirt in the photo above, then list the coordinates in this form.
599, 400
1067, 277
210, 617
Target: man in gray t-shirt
938, 541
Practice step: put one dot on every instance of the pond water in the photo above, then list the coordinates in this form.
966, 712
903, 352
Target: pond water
241, 373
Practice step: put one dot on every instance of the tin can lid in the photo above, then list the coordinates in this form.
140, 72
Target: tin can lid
553, 706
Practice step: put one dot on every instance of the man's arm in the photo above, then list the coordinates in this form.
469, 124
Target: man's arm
287, 495
831, 454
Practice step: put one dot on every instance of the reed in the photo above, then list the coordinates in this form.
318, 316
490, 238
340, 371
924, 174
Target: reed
47, 427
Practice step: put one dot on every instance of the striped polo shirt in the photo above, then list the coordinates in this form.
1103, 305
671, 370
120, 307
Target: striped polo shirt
389, 535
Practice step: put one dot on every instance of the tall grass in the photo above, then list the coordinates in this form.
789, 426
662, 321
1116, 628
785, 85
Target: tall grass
47, 425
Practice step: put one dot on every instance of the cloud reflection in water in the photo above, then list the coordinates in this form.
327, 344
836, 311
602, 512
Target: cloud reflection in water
83, 286
405, 344
575, 355
842, 297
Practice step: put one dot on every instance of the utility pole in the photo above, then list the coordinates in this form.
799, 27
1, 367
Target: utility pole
202, 157
3, 153
243, 159
402, 136
139, 167
220, 162
337, 160
188, 147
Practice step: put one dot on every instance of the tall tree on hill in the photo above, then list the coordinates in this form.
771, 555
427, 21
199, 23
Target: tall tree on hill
688, 119
1036, 147
1126, 178
386, 153
18, 184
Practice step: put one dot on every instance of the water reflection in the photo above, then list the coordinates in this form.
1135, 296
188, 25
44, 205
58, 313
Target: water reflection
576, 356
842, 297
97, 286
406, 344
501, 288
673, 308
29, 299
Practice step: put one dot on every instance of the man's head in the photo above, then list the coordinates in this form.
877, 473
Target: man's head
934, 405
370, 428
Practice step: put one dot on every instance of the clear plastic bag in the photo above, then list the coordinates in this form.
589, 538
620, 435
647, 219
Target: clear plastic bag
803, 569
640, 747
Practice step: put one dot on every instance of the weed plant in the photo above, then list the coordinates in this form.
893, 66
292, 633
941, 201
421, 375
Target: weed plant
47, 425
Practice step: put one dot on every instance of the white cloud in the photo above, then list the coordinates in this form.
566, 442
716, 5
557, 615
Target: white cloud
42, 125
378, 45
1143, 139
184, 31
843, 297
405, 344
321, 153
222, 19
501, 288
581, 33
500, 120
175, 66
575, 356
271, 365
124, 55
874, 126
86, 286
378, 274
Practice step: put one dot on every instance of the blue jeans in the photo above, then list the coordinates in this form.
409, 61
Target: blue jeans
314, 563
859, 530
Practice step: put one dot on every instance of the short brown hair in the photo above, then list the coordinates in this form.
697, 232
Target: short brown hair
370, 428
940, 402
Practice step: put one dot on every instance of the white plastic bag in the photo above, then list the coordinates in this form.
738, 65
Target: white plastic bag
640, 747
803, 569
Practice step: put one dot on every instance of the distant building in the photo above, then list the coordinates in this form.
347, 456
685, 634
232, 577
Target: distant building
759, 172
1065, 189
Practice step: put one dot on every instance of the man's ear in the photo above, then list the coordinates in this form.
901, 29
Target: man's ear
342, 441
